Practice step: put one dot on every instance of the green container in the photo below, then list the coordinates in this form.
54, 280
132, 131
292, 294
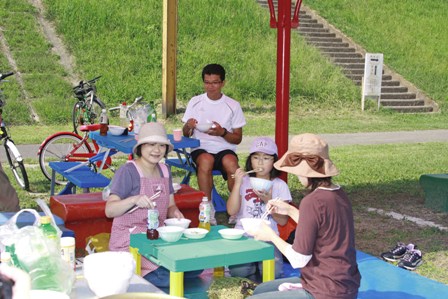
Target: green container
435, 187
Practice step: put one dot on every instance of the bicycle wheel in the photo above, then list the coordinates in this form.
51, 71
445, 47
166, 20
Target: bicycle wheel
62, 148
78, 115
15, 161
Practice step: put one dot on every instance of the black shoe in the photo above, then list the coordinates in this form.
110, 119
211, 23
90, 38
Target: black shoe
396, 253
411, 260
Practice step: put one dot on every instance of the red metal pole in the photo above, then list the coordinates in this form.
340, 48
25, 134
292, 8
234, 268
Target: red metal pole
283, 78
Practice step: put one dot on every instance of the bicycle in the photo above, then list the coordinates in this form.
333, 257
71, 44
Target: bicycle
88, 106
71, 147
13, 155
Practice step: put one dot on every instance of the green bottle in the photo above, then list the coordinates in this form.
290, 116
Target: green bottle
49, 230
152, 115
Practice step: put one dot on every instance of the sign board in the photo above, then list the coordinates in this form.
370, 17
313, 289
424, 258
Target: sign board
373, 75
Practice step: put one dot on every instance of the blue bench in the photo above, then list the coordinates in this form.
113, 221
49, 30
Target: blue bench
82, 176
218, 202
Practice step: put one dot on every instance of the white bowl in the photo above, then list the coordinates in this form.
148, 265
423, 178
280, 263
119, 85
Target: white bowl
195, 233
261, 184
231, 233
176, 187
252, 224
170, 233
116, 130
183, 222
204, 127
108, 273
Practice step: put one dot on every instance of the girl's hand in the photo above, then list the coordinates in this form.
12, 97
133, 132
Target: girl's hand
279, 207
263, 233
177, 214
239, 174
143, 201
265, 196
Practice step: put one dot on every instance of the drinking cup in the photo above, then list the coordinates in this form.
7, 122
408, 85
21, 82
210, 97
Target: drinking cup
177, 134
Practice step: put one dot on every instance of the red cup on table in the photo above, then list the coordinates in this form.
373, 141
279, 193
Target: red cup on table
177, 134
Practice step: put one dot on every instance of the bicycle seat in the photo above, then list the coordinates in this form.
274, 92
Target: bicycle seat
89, 128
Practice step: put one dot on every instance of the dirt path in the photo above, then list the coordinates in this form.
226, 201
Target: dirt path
48, 29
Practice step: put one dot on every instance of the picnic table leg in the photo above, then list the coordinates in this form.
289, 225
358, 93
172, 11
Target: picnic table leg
268, 270
177, 284
138, 260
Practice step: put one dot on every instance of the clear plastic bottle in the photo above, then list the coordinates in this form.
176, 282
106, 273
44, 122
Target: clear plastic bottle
152, 115
124, 122
49, 231
104, 122
153, 224
204, 213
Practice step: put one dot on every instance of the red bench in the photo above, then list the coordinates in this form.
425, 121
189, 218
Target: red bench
84, 213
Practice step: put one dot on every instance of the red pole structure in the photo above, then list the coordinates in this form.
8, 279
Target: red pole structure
283, 26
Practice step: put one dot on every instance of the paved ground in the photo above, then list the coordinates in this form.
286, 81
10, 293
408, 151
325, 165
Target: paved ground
30, 151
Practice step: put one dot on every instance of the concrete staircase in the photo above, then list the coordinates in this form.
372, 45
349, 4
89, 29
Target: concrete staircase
396, 92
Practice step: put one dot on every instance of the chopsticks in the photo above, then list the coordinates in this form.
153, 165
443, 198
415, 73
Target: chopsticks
250, 171
266, 213
154, 196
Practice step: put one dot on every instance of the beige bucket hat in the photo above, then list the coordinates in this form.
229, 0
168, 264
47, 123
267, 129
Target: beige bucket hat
307, 156
153, 132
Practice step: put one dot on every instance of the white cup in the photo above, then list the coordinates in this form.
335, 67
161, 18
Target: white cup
68, 250
177, 134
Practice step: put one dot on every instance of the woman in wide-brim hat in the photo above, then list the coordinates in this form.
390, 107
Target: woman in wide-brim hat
324, 244
130, 191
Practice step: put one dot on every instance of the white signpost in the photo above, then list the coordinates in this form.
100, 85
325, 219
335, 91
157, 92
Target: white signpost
373, 75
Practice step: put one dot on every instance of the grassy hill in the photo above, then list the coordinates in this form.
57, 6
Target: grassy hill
121, 40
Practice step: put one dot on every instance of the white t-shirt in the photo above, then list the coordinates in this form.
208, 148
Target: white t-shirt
254, 207
225, 111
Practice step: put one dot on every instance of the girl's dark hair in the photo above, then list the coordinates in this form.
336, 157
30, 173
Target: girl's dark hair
274, 172
319, 182
138, 151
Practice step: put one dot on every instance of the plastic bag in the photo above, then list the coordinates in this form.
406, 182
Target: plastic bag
34, 253
97, 243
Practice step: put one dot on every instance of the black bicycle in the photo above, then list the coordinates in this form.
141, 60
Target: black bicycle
13, 155
88, 105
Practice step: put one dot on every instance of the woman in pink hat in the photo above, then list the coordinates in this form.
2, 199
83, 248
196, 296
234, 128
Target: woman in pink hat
247, 202
132, 186
324, 244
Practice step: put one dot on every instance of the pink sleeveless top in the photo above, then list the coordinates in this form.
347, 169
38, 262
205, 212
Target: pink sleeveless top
137, 220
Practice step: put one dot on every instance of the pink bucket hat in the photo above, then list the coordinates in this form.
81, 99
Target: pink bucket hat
153, 132
264, 145
307, 156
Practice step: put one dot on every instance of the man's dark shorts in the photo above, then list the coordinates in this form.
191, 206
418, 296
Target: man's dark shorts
218, 159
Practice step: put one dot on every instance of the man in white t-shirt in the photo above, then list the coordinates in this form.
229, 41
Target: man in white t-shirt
218, 144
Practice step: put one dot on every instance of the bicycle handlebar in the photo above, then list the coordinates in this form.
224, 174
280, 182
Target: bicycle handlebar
137, 100
3, 76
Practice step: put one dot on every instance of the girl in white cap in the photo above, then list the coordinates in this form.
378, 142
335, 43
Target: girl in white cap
132, 186
324, 244
247, 202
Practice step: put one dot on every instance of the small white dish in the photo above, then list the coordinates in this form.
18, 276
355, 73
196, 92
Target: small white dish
252, 224
116, 130
195, 233
204, 127
231, 233
183, 222
170, 233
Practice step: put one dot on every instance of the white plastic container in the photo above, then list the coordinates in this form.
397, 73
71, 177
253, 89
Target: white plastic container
68, 251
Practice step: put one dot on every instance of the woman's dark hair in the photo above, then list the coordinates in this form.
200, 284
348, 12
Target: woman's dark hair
138, 151
319, 182
274, 172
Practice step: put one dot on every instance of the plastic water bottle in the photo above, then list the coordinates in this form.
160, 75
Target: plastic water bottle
104, 122
153, 224
204, 213
152, 115
124, 122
